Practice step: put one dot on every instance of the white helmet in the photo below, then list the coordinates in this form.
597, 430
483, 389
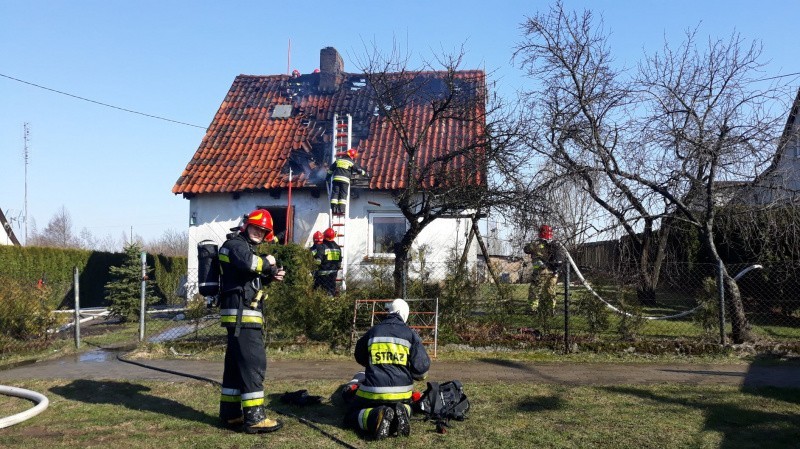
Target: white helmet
399, 307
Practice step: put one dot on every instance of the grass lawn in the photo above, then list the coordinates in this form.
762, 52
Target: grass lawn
138, 414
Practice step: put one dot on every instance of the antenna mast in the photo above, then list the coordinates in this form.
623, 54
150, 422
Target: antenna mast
25, 135
289, 58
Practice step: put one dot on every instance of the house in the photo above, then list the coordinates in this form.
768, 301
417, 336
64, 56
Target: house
7, 236
780, 182
273, 128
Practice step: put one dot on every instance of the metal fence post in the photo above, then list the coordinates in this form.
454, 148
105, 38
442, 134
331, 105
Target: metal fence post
436, 327
142, 301
721, 290
76, 286
566, 309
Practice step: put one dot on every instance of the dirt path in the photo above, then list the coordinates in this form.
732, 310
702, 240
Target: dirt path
101, 364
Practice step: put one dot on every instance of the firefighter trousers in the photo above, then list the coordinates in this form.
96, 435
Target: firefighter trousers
339, 196
243, 376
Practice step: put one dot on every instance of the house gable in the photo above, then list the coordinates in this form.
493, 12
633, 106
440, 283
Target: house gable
780, 182
7, 236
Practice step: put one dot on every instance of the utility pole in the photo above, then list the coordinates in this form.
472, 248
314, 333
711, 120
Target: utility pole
25, 134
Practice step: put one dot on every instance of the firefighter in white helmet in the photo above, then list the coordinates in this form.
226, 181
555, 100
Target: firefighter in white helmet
393, 357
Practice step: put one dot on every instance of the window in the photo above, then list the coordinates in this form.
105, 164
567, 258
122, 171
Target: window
385, 230
278, 214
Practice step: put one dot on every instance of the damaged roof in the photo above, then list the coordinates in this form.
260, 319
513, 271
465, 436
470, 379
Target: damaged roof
269, 124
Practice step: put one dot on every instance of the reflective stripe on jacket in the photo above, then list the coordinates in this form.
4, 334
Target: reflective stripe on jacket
393, 357
240, 269
343, 168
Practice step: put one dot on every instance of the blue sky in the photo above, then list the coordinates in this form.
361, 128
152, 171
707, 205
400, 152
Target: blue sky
114, 170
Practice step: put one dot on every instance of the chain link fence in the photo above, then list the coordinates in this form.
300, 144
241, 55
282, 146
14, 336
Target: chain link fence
475, 305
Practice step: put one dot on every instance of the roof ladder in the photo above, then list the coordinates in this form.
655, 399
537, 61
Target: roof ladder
342, 141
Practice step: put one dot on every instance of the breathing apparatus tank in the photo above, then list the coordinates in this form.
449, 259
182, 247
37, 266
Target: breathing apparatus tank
208, 268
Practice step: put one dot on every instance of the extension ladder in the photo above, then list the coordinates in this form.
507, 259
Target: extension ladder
342, 141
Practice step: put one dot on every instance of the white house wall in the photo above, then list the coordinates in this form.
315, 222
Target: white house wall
212, 215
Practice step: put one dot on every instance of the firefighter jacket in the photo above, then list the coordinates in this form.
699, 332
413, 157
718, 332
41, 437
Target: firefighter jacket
343, 168
544, 254
318, 251
331, 258
393, 357
242, 271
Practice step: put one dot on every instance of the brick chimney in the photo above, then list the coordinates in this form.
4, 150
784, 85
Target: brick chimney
331, 70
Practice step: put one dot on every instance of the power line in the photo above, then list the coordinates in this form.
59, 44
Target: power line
99, 102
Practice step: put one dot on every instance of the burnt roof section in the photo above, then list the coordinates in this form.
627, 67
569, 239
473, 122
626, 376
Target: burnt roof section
248, 147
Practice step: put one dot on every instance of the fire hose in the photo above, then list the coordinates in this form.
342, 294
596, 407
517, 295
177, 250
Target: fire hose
622, 312
41, 404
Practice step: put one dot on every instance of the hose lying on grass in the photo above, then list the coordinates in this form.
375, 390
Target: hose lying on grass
622, 312
41, 404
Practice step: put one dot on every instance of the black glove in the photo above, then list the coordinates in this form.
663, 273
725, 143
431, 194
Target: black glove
300, 397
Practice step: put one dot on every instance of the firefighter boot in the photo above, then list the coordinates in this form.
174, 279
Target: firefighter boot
379, 421
401, 423
230, 414
256, 421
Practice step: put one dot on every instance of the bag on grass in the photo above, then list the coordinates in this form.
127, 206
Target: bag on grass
443, 402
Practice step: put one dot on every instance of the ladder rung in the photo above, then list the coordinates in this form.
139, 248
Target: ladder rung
338, 224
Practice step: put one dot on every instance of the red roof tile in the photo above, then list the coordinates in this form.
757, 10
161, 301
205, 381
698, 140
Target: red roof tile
247, 149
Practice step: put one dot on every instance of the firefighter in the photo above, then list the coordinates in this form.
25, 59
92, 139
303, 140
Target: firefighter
331, 262
393, 358
318, 252
243, 274
546, 261
340, 173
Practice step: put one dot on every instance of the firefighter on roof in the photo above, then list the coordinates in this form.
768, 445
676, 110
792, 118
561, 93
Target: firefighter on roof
242, 274
340, 173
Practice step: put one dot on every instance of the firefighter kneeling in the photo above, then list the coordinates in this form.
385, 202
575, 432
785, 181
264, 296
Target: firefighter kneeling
242, 270
393, 357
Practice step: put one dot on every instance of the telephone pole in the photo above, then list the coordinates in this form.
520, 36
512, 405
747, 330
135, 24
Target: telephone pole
25, 135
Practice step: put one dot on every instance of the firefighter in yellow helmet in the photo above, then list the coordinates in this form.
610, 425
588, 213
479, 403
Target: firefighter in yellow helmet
243, 273
339, 174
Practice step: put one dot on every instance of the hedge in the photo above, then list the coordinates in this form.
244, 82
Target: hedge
54, 266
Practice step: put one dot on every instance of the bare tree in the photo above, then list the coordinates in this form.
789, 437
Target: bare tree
106, 243
170, 243
581, 120
58, 233
650, 148
438, 113
710, 122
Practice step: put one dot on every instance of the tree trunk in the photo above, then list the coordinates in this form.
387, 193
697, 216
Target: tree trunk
740, 328
400, 273
485, 254
645, 290
401, 259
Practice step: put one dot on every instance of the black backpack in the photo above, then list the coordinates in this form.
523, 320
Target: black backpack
442, 402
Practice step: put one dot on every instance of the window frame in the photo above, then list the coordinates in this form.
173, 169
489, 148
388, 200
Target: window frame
371, 232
